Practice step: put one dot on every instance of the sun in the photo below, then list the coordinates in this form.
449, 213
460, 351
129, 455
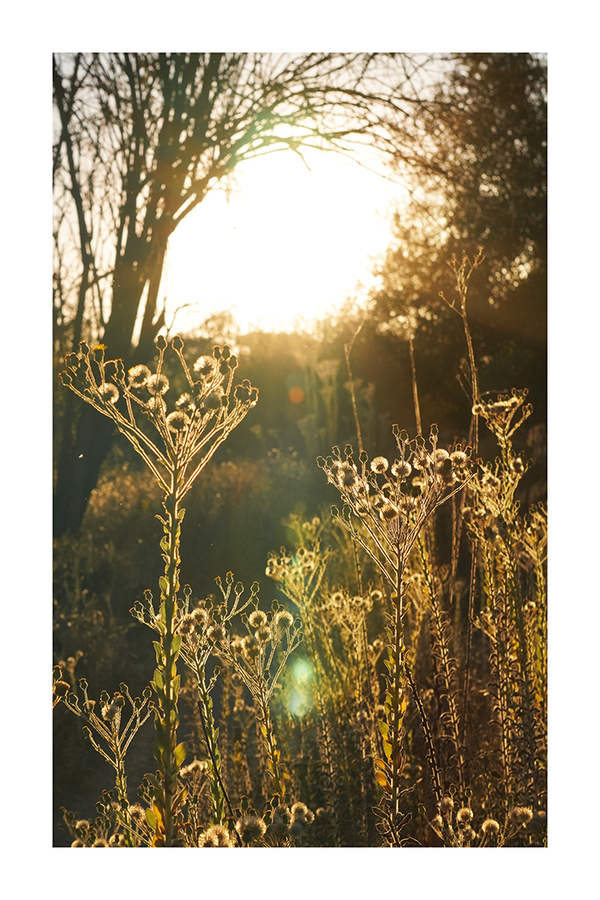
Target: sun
289, 244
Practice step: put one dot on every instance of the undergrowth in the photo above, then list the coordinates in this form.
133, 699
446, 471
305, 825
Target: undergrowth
395, 692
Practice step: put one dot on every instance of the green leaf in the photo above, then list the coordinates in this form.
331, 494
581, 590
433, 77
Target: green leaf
151, 819
158, 680
384, 729
387, 749
164, 585
180, 753
176, 645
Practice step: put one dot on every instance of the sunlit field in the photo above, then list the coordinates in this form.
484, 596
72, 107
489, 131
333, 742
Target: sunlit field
300, 522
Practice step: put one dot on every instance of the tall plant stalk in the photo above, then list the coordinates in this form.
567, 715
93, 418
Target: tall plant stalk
189, 435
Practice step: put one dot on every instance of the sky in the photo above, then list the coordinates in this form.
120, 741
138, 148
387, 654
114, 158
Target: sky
290, 242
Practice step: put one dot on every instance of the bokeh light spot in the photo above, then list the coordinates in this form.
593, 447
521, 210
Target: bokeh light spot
296, 394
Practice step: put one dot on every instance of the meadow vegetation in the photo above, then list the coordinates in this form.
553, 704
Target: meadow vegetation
377, 680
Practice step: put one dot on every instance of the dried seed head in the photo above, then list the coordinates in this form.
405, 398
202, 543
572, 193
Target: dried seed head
446, 805
216, 633
187, 625
464, 816
177, 421
257, 618
379, 465
401, 469
301, 813
250, 647
459, 459
283, 619
490, 827
250, 828
205, 366
216, 836
157, 385
138, 376
199, 616
521, 815
185, 403
109, 393
263, 634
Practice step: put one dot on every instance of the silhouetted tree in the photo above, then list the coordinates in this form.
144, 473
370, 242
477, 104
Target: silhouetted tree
474, 157
140, 141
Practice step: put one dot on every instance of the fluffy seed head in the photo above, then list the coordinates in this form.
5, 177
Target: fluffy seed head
521, 815
446, 805
109, 393
464, 816
257, 619
138, 376
490, 827
177, 421
250, 828
379, 465
205, 366
401, 469
157, 385
216, 836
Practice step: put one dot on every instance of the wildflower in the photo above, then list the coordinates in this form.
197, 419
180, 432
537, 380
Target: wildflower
177, 421
521, 815
490, 827
401, 469
250, 828
216, 836
157, 385
138, 376
257, 619
379, 465
109, 393
464, 816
